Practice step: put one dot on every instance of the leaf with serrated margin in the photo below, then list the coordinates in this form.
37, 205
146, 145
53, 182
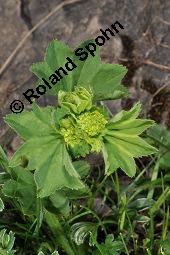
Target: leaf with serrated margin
122, 142
55, 57
106, 84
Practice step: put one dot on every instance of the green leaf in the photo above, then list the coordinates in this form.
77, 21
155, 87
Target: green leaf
3, 161
82, 167
81, 230
162, 198
4, 177
1, 205
55, 58
45, 151
141, 204
122, 142
58, 203
106, 84
29, 124
164, 161
54, 253
118, 157
22, 187
59, 114
161, 136
166, 246
87, 69
110, 247
6, 242
54, 169
104, 80
142, 218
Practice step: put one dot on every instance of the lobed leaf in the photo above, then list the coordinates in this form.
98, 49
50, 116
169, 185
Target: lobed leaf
22, 187
122, 142
45, 151
104, 80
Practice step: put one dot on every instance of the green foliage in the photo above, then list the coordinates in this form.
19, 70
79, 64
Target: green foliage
55, 57
161, 136
22, 187
1, 205
81, 230
54, 253
57, 193
45, 152
104, 80
3, 160
110, 247
122, 141
6, 242
165, 246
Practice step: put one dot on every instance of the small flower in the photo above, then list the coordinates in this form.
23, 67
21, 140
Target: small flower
70, 133
92, 123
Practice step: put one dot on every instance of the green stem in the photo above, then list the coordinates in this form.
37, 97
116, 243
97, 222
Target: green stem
58, 233
153, 178
123, 241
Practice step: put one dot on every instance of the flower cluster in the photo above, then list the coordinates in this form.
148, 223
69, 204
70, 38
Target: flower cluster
84, 124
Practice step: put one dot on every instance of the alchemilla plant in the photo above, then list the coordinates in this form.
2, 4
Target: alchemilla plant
49, 171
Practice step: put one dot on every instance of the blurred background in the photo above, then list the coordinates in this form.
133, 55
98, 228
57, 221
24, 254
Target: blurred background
27, 26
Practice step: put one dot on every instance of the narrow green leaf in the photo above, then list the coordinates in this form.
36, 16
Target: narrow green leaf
162, 198
1, 205
4, 163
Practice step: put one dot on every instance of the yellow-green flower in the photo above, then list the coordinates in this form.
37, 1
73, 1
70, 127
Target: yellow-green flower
85, 129
92, 123
70, 133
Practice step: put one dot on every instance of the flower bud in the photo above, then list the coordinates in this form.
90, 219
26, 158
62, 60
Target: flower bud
77, 101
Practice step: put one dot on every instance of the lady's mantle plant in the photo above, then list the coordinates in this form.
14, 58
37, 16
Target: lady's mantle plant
46, 171
77, 126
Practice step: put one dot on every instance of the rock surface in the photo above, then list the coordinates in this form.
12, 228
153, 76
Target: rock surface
143, 46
